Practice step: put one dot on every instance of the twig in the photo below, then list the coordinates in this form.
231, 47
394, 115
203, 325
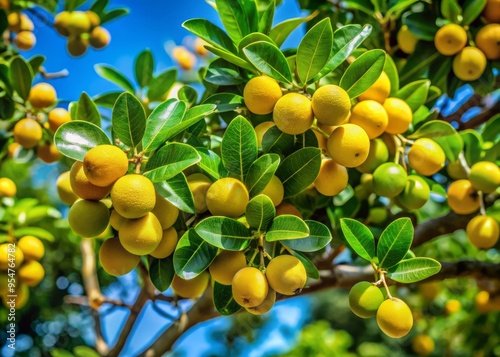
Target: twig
53, 75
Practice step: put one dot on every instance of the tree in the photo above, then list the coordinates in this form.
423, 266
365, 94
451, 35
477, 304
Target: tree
291, 171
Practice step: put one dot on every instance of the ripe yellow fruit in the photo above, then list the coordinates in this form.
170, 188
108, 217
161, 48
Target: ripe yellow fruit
227, 197
104, 164
19, 22
485, 176
141, 236
167, 244
379, 90
274, 190
469, 64
332, 178
426, 156
430, 290
286, 274
93, 18
166, 212
406, 40
400, 115
57, 117
249, 287
394, 318
456, 170
88, 218
462, 197
99, 37
32, 247
288, 208
199, 47
423, 345
13, 149
226, 265
184, 58
78, 23
23, 294
77, 46
348, 145
491, 11
61, 23
81, 185
7, 187
193, 288
322, 140
450, 39
488, 41
64, 190
115, 259
365, 299
261, 129
266, 305
371, 116
5, 4
482, 301
452, 306
48, 153
25, 40
199, 185
27, 132
31, 273
115, 220
261, 94
331, 104
42, 95
16, 257
483, 231
293, 113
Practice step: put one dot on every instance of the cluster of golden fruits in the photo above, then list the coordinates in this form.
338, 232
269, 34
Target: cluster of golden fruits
22, 26
187, 59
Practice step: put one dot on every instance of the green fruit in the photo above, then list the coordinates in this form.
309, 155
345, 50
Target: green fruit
378, 154
88, 218
415, 194
378, 215
485, 176
365, 299
389, 179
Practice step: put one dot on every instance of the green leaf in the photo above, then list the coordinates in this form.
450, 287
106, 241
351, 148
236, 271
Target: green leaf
359, 237
239, 146
161, 84
275, 141
107, 100
114, 76
223, 299
128, 120
414, 269
491, 130
113, 14
144, 67
34, 231
399, 7
192, 116
223, 73
85, 351
415, 93
268, 59
314, 50
187, 94
394, 242
251, 38
211, 163
87, 110
473, 143
299, 170
231, 57
161, 272
260, 212
281, 31
170, 161
74, 138
260, 173
233, 16
210, 33
70, 5
176, 191
451, 11
21, 77
266, 18
38, 213
422, 24
192, 255
311, 269
286, 227
99, 6
392, 72
472, 9
363, 72
36, 62
319, 237
365, 6
225, 233
59, 352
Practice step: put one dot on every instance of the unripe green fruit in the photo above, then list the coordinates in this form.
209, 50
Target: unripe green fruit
485, 176
365, 299
88, 218
389, 179
415, 194
378, 154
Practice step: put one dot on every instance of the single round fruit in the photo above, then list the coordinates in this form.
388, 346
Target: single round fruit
78, 23
184, 58
64, 190
57, 117
141, 236
287, 208
485, 176
104, 164
415, 194
5, 262
261, 129
488, 41
406, 40
31, 273
332, 178
32, 247
193, 288
491, 11
5, 4
7, 187
274, 190
94, 19
99, 37
483, 231
482, 301
365, 299
167, 244
379, 90
371, 116
394, 318
399, 114
450, 39
331, 104
199, 185
166, 212
378, 154
61, 23
77, 46
116, 260
286, 274
377, 215
423, 345
226, 265
462, 197
293, 114
249, 287
348, 145
469, 64
25, 40
48, 153
227, 197
426, 156
430, 290
88, 218
42, 95
389, 179
261, 94
81, 185
266, 305
27, 132
452, 306
456, 170
115, 220
133, 196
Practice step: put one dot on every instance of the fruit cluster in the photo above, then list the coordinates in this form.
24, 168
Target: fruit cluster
22, 26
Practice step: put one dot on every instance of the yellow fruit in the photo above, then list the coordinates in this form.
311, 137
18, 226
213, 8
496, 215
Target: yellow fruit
184, 58
193, 288
332, 178
23, 294
166, 212
93, 18
287, 208
116, 220
64, 190
10, 257
482, 301
378, 154
81, 185
423, 345
88, 218
226, 265
488, 41
485, 176
462, 197
261, 94
78, 23
25, 40
483, 231
57, 117
266, 305
261, 129
286, 274
426, 156
274, 190
348, 145
371, 116
452, 306
115, 259
456, 170
429, 290
331, 104
469, 64
32, 247
379, 90
61, 23
77, 46
491, 11
365, 299
31, 273
322, 140
104, 164
5, 4
13, 149
42, 95
141, 236
167, 244
293, 113
48, 153
27, 132
199, 185
406, 40
227, 197
7, 187
394, 318
19, 22
249, 287
99, 37
450, 39
400, 115
199, 47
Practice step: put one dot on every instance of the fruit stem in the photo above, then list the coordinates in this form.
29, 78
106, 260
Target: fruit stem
482, 208
319, 130
382, 277
463, 162
261, 251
